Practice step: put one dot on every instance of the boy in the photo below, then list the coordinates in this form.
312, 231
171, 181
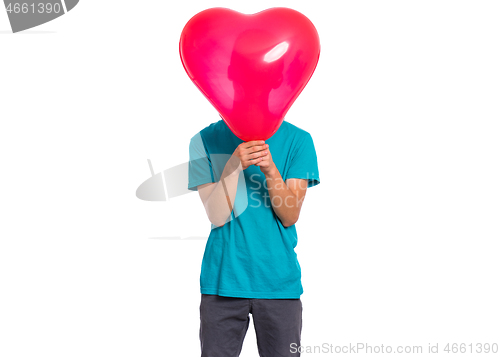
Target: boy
253, 200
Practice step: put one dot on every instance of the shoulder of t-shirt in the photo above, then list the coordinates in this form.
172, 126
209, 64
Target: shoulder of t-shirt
206, 131
212, 129
299, 133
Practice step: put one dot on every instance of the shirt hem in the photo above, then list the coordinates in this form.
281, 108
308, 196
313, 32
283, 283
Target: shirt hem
310, 181
250, 294
193, 186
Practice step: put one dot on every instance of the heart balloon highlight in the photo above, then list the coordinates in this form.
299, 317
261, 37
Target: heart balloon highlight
251, 68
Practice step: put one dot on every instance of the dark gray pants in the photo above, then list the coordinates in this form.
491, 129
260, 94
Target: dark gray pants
224, 323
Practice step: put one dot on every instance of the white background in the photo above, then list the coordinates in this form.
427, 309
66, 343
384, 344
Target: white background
398, 245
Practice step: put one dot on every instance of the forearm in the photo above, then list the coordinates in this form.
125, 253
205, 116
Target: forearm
220, 203
284, 202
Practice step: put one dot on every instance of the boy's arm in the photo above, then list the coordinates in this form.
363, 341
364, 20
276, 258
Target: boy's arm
218, 198
286, 198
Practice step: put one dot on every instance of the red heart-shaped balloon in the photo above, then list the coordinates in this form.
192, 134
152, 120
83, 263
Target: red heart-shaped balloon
250, 67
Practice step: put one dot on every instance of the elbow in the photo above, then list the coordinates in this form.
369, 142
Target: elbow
291, 222
215, 217
217, 222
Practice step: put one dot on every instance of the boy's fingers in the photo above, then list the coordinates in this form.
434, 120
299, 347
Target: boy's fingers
256, 148
249, 144
252, 156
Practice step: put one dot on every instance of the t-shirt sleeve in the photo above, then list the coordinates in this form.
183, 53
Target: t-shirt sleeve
199, 166
304, 162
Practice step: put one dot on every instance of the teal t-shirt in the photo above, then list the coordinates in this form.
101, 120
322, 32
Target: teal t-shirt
252, 255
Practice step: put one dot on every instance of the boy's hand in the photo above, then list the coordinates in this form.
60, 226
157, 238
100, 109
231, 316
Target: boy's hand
266, 165
248, 153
